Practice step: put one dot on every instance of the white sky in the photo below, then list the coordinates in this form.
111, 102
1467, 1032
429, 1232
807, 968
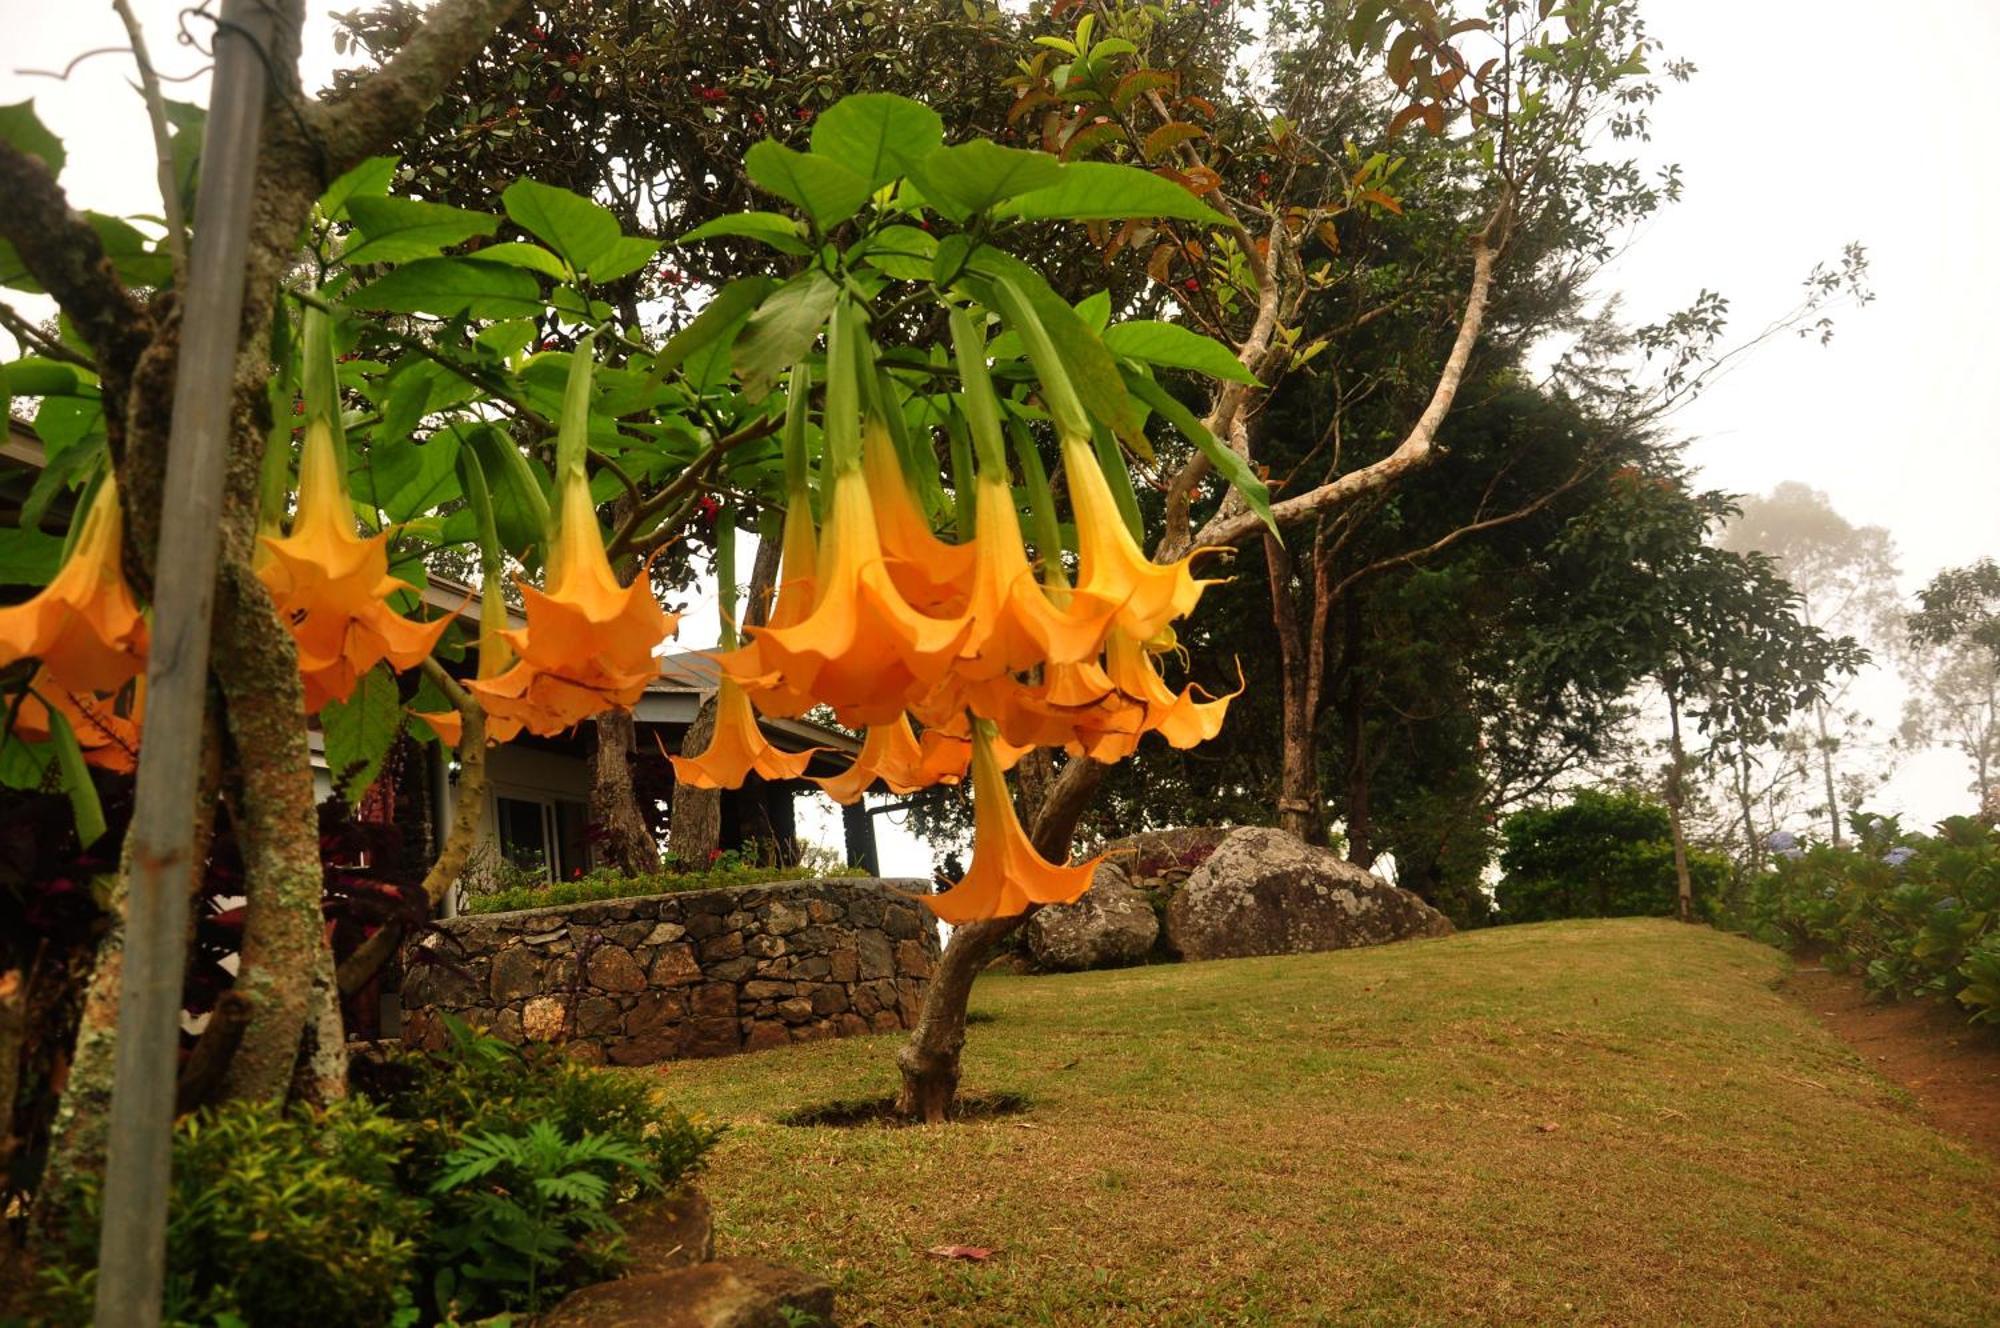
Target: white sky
1808, 125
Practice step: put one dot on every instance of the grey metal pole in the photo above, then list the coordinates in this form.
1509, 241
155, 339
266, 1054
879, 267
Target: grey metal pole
132, 1240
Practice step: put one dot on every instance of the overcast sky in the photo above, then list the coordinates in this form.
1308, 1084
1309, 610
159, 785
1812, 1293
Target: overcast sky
1808, 125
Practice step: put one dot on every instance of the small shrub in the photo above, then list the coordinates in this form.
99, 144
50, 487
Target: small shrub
1914, 914
611, 885
516, 1212
275, 1216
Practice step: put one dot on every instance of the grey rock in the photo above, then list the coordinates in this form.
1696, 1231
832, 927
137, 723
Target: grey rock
1112, 925
1265, 892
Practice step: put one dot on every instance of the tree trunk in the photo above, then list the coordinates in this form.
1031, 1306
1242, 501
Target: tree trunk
1360, 814
694, 826
929, 1061
1826, 768
1676, 796
624, 838
1298, 753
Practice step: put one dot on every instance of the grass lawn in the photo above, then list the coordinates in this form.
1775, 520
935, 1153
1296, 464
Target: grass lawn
1611, 1123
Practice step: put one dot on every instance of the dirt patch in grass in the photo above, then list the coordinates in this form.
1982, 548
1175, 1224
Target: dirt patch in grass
881, 1111
1951, 1067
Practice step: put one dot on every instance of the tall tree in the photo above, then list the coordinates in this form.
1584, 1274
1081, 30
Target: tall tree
1845, 576
1956, 639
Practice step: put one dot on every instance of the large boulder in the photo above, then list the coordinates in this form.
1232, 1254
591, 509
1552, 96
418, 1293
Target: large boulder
1112, 925
1265, 892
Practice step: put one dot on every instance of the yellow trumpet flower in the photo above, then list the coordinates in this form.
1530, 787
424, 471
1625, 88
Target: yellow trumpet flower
891, 754
84, 626
588, 644
1111, 564
864, 650
738, 748
1007, 875
332, 586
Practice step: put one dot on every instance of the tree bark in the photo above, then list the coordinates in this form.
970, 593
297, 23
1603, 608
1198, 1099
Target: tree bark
1676, 798
694, 825
929, 1061
1359, 775
1826, 768
1298, 753
624, 836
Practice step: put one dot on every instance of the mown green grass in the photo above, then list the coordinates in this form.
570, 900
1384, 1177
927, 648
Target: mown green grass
1616, 1123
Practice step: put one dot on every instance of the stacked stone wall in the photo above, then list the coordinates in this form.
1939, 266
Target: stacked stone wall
702, 973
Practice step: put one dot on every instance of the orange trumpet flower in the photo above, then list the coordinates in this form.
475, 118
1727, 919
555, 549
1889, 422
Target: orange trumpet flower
864, 650
588, 644
108, 740
1183, 721
737, 748
332, 586
932, 574
794, 603
1007, 875
1111, 563
1015, 624
84, 626
890, 754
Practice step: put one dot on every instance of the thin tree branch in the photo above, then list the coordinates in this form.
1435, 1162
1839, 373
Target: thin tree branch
163, 147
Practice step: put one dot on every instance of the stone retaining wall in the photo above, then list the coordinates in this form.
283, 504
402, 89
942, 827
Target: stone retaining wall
703, 973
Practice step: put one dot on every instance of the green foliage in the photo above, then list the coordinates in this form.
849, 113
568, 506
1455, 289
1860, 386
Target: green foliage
517, 1209
1601, 855
276, 1216
1914, 914
615, 885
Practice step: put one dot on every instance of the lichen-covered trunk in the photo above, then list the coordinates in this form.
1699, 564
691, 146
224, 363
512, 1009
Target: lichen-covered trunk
624, 837
694, 826
929, 1061
284, 944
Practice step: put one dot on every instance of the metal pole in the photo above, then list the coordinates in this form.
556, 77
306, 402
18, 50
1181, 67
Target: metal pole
132, 1240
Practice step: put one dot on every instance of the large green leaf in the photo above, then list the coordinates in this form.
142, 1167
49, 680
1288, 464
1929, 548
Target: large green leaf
32, 376
1176, 347
972, 177
1227, 462
520, 487
772, 228
360, 731
20, 127
28, 557
519, 253
730, 306
622, 259
395, 230
1104, 191
370, 179
782, 330
85, 808
578, 229
1092, 370
407, 478
453, 288
877, 135
823, 189
904, 252
132, 256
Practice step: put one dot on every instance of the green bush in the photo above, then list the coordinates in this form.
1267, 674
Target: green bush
612, 885
454, 1184
276, 1216
1914, 914
1603, 855
480, 1092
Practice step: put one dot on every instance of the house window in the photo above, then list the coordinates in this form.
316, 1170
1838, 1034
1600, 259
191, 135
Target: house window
543, 834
